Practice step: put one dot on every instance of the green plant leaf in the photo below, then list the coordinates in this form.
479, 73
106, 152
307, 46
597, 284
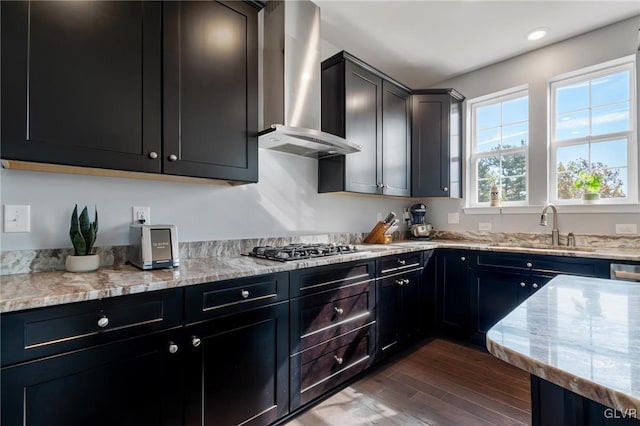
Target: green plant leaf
77, 239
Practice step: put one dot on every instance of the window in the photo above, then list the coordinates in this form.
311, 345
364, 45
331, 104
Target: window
593, 135
499, 147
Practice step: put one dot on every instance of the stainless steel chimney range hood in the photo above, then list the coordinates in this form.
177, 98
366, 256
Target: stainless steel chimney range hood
290, 82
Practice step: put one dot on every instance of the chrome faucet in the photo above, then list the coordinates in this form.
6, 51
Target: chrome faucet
555, 233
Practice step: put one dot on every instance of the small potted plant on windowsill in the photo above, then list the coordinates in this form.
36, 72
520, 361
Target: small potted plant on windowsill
83, 235
590, 184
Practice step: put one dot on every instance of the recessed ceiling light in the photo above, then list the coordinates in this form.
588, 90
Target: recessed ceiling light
537, 34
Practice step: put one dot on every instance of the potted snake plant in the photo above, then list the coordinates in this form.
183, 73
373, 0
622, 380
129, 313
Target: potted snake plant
83, 235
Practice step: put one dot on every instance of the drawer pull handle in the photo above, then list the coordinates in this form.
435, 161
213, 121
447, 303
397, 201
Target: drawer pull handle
406, 281
522, 284
173, 157
535, 285
195, 341
401, 261
103, 321
400, 282
173, 348
339, 311
153, 155
338, 359
244, 294
529, 264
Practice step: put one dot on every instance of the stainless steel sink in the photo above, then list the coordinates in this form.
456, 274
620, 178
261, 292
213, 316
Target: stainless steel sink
541, 246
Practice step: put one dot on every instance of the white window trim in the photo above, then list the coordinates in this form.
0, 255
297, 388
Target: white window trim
593, 72
472, 157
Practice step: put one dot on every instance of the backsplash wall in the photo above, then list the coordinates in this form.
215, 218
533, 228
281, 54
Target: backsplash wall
284, 202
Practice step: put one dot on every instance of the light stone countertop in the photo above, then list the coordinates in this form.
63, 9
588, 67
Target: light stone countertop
33, 290
580, 333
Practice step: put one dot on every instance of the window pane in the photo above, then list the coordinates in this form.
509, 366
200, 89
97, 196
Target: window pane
615, 183
515, 135
488, 140
570, 160
567, 154
566, 190
572, 125
514, 189
572, 98
489, 168
610, 119
514, 165
609, 89
515, 110
609, 154
488, 116
484, 187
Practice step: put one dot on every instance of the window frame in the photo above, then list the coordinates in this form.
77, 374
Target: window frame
627, 63
473, 157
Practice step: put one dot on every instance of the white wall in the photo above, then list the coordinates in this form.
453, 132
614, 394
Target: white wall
535, 69
284, 202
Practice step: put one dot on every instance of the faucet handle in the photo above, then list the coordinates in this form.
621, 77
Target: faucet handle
571, 240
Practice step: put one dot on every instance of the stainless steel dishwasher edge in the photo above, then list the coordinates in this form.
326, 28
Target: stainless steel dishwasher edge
626, 272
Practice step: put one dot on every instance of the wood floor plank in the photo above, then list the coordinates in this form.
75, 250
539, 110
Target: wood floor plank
441, 383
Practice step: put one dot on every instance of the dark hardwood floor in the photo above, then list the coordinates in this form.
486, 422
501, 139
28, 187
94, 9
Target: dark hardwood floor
440, 383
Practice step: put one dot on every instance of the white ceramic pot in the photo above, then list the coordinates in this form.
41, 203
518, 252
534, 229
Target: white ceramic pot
82, 263
590, 198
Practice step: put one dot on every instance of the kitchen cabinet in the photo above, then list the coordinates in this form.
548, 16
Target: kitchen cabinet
371, 110
436, 143
73, 364
332, 327
81, 83
124, 85
452, 292
398, 308
499, 282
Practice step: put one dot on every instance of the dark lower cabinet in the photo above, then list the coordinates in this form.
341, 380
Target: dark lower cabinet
553, 405
130, 383
237, 368
452, 292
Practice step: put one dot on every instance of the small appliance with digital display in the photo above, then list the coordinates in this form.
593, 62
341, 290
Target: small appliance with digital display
153, 246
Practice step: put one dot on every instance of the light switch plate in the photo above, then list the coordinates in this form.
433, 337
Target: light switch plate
626, 228
17, 218
484, 226
453, 218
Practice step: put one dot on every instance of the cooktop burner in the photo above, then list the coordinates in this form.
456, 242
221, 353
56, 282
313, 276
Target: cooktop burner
300, 251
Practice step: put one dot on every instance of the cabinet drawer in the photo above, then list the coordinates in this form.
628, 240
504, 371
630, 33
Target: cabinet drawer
47, 331
315, 280
227, 297
542, 263
326, 315
317, 351
398, 263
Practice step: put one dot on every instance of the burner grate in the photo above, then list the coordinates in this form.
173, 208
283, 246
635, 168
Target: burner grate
300, 251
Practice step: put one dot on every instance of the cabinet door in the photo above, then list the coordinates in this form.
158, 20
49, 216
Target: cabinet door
210, 77
131, 382
363, 126
411, 307
493, 296
389, 314
81, 83
396, 141
436, 146
237, 372
453, 291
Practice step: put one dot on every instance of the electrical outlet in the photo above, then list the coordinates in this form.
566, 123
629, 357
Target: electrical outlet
141, 213
453, 218
17, 218
484, 226
626, 228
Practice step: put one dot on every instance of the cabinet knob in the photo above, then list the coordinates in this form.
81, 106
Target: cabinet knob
463, 258
153, 155
523, 284
445, 189
402, 261
244, 294
339, 311
379, 185
529, 264
195, 341
173, 348
103, 321
338, 359
173, 157
535, 285
400, 282
406, 281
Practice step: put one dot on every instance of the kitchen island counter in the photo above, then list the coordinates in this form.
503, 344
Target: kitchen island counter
582, 334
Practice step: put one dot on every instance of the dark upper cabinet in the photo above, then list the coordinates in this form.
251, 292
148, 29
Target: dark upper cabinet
139, 86
210, 89
369, 109
436, 143
81, 83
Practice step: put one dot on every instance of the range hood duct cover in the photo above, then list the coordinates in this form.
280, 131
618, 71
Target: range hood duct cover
290, 86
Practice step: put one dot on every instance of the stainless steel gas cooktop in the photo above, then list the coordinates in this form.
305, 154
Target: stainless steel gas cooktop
301, 251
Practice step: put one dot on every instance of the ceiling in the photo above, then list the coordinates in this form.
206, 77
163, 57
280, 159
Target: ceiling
423, 42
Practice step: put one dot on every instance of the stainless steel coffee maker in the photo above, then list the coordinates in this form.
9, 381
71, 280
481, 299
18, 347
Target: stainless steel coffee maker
418, 229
